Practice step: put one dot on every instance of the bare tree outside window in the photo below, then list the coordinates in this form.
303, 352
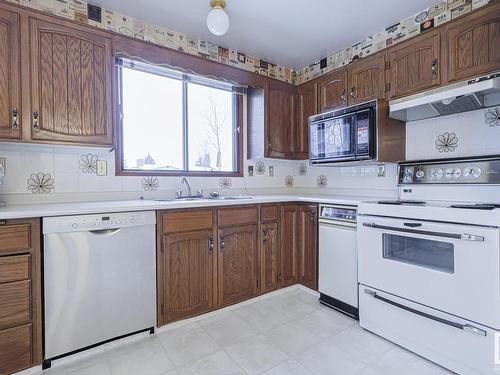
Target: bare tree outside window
216, 121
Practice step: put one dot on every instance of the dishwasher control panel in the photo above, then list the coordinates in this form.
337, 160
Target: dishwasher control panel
80, 223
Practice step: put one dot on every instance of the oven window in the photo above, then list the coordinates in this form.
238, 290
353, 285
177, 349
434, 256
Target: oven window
435, 255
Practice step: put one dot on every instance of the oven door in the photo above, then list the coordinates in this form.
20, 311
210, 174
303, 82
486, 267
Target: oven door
333, 139
450, 267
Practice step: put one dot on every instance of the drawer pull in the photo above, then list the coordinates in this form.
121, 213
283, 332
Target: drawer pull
463, 327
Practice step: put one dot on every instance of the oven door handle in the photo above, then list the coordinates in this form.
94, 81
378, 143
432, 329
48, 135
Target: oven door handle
463, 327
458, 236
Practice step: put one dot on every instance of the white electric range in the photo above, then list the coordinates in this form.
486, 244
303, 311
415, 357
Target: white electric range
429, 264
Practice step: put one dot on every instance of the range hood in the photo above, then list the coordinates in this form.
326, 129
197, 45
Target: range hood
459, 97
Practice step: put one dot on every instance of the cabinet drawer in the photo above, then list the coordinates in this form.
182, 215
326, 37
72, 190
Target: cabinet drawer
237, 216
188, 220
15, 237
269, 214
15, 303
15, 349
14, 268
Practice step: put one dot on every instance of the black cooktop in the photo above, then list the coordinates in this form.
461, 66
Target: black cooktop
401, 202
477, 206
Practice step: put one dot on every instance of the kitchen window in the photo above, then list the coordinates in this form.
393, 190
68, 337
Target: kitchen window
176, 123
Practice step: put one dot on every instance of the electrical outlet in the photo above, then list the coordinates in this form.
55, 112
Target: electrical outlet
3, 163
381, 170
102, 168
250, 170
271, 171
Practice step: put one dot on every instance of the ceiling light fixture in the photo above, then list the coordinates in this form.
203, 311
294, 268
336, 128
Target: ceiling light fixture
218, 20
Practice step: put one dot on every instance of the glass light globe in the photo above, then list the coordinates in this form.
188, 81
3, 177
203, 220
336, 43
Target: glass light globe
218, 21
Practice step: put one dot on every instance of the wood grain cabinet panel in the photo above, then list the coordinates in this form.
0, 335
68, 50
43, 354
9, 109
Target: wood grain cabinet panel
307, 106
472, 44
10, 76
308, 246
366, 79
237, 216
15, 237
332, 90
14, 268
289, 258
237, 264
15, 303
188, 274
15, 349
187, 220
71, 85
270, 250
415, 65
280, 120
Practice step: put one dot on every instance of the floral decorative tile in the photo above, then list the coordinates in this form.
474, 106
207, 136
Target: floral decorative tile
492, 117
88, 163
322, 181
302, 169
446, 142
289, 181
260, 168
150, 183
40, 183
225, 182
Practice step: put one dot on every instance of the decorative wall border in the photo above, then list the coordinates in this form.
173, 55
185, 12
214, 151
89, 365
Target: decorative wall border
96, 16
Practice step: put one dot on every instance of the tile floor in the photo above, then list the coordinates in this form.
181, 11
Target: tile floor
288, 332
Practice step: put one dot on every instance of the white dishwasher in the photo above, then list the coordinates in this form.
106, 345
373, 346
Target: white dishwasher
338, 258
99, 279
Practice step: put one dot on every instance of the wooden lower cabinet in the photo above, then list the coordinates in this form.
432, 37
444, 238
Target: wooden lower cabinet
308, 246
270, 251
188, 274
289, 258
237, 264
20, 295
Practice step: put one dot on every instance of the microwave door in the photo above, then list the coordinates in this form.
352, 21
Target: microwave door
340, 143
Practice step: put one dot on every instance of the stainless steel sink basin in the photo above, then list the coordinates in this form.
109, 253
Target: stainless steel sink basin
224, 198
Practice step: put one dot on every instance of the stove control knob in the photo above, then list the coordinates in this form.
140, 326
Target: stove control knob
436, 174
420, 174
472, 172
449, 173
74, 225
457, 173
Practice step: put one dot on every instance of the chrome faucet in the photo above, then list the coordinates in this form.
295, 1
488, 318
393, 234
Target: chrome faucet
185, 181
180, 195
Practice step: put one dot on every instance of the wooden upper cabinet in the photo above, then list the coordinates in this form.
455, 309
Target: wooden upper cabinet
366, 79
237, 264
415, 65
307, 106
472, 44
280, 119
71, 85
10, 84
188, 263
332, 90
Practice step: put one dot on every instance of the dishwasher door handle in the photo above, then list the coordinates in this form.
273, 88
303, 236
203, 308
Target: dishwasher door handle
105, 231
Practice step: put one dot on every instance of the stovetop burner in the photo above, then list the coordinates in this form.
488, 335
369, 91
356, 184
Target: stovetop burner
477, 206
401, 202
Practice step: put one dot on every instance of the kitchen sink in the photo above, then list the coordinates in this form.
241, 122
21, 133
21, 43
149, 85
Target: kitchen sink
224, 198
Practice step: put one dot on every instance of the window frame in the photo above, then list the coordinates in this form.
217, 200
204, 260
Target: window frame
119, 149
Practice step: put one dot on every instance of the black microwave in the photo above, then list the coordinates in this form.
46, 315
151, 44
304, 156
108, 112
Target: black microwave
343, 135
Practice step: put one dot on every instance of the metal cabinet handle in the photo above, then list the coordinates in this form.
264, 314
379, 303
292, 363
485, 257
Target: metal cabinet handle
434, 69
265, 235
269, 144
353, 93
222, 243
342, 96
15, 118
36, 121
210, 244
313, 217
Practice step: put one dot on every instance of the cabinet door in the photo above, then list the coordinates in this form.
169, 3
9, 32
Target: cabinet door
307, 106
237, 264
415, 65
71, 85
10, 65
188, 261
332, 89
308, 248
473, 44
289, 257
367, 79
280, 120
269, 257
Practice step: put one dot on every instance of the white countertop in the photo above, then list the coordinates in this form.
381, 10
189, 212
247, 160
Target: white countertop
79, 208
